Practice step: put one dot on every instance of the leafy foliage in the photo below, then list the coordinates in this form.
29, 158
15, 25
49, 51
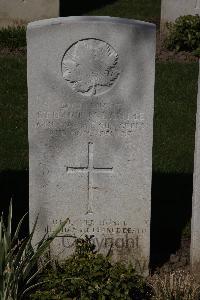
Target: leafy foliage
184, 34
18, 259
13, 37
88, 275
84, 247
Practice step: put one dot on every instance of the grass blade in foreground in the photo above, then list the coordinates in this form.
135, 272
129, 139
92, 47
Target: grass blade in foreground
18, 259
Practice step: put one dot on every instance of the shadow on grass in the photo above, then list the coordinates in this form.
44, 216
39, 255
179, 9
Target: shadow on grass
171, 208
171, 212
80, 7
14, 184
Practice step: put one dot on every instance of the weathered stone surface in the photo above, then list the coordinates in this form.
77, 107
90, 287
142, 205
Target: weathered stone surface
91, 94
172, 9
195, 228
17, 12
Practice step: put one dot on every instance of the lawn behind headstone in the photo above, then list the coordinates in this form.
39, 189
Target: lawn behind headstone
13, 116
175, 117
136, 9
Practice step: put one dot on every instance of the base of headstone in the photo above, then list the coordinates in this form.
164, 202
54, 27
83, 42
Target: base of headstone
20, 12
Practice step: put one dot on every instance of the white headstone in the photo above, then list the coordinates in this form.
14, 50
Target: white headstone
172, 9
18, 12
195, 228
91, 95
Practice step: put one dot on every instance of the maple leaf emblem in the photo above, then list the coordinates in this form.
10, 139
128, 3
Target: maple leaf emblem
90, 67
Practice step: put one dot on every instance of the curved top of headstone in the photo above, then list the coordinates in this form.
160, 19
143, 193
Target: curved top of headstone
105, 19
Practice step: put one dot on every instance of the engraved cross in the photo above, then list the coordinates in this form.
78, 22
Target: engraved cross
89, 170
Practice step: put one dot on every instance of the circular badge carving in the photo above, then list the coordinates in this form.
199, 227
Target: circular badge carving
90, 67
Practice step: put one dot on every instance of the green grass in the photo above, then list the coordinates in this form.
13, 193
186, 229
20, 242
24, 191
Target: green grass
13, 37
13, 114
141, 10
174, 122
